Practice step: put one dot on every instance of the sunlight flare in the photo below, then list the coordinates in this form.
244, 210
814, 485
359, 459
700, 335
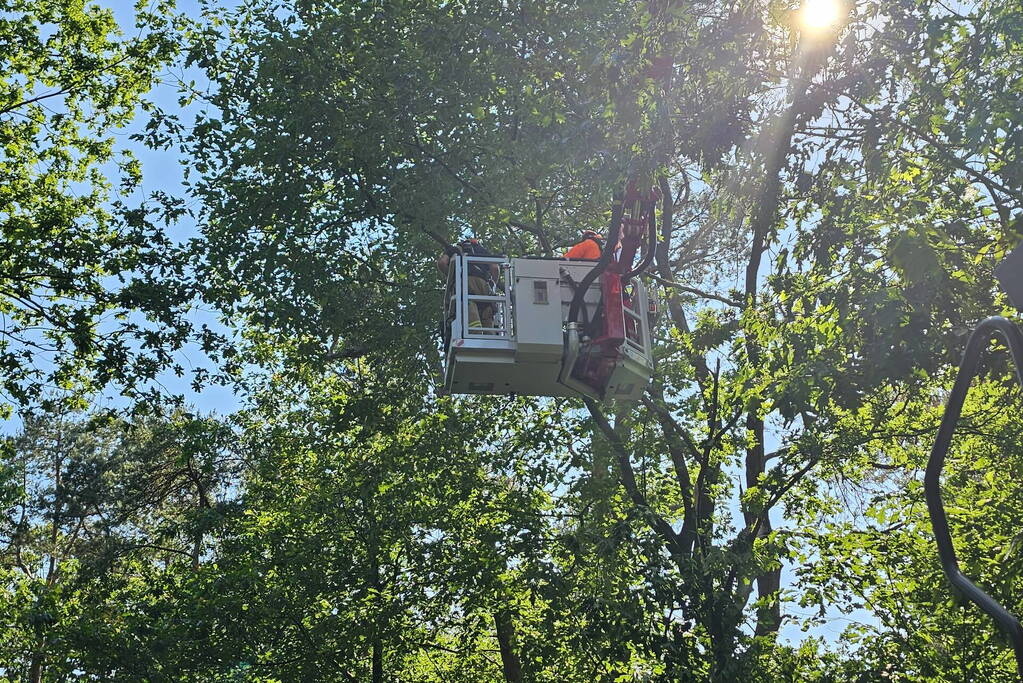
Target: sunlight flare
818, 15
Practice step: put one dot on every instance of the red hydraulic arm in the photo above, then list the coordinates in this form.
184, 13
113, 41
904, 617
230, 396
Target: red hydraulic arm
634, 216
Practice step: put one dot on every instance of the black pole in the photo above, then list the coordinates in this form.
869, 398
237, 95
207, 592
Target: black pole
982, 334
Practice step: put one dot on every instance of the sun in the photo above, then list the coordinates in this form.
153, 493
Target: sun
817, 15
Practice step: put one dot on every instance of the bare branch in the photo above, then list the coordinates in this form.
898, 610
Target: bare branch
694, 290
544, 242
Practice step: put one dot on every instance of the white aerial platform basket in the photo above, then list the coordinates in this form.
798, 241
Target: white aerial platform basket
522, 350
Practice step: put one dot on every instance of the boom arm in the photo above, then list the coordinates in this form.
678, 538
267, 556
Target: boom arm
591, 362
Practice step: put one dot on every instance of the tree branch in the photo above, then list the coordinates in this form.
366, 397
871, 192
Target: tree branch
544, 242
62, 91
663, 262
676, 436
628, 480
694, 290
942, 148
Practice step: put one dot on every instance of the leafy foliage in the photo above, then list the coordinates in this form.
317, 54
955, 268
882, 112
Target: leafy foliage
93, 290
832, 205
103, 513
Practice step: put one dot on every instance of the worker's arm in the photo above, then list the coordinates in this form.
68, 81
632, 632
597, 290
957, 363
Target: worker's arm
495, 272
442, 263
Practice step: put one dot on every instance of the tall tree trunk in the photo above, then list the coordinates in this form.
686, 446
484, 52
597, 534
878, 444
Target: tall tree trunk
769, 582
205, 506
35, 674
377, 643
38, 665
600, 473
506, 641
600, 470
378, 661
763, 223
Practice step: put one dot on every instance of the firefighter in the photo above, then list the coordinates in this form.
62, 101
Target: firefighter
482, 280
588, 248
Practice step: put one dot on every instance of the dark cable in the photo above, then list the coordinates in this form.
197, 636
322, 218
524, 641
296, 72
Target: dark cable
605, 258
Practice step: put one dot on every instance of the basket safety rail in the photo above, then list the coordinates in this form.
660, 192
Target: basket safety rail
450, 303
982, 334
636, 313
499, 298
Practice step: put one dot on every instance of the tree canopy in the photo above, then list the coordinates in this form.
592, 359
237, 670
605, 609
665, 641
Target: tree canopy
833, 201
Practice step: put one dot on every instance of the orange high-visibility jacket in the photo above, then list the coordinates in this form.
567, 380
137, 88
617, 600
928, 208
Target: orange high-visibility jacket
588, 249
